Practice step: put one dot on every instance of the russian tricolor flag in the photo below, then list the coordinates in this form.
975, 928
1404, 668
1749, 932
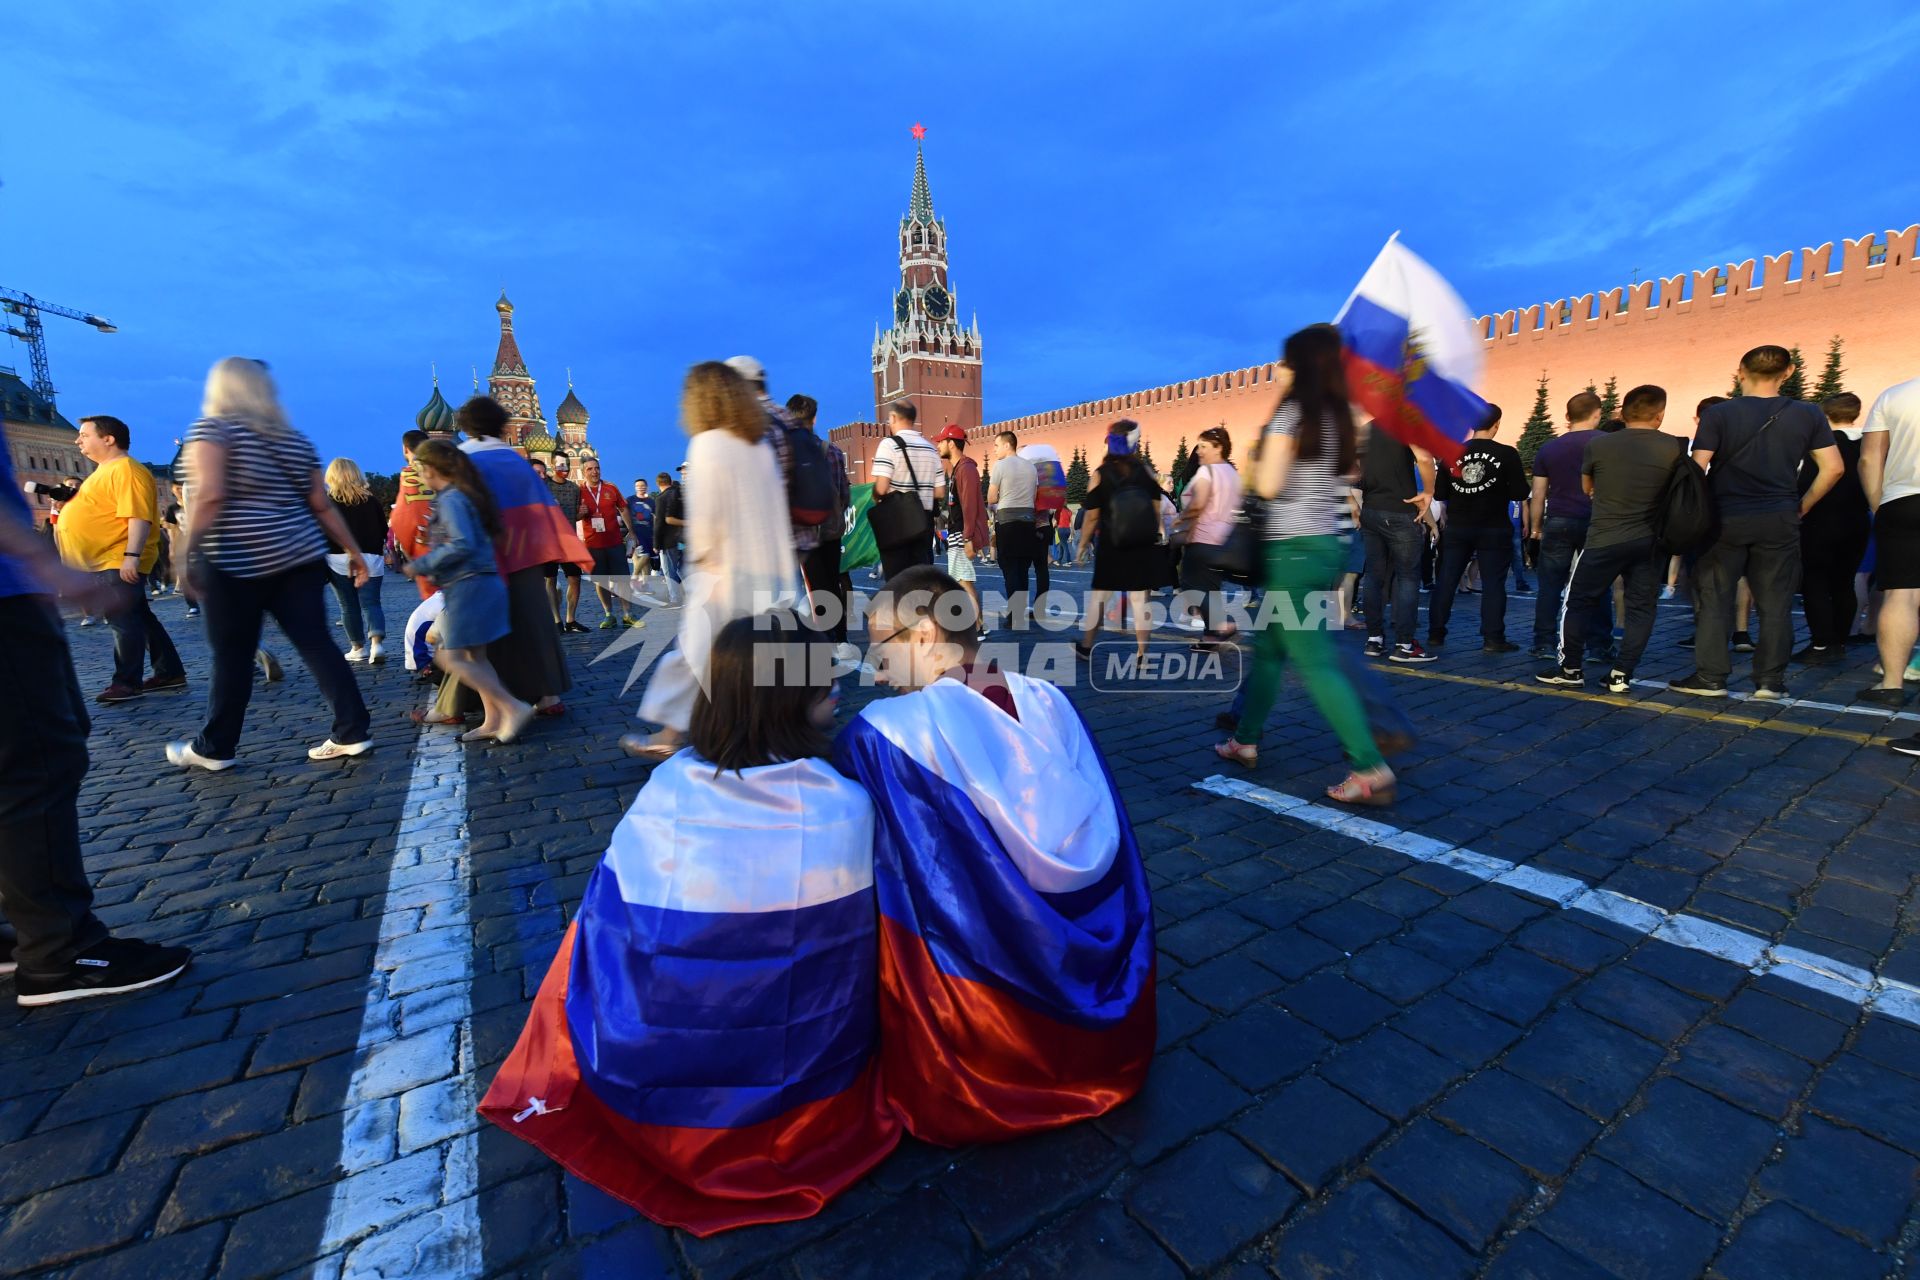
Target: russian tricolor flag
1016, 930
534, 529
703, 1046
1412, 357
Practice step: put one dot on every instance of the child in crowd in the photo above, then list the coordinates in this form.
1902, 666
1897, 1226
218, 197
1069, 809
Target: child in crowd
460, 562
703, 1046
421, 635
1016, 931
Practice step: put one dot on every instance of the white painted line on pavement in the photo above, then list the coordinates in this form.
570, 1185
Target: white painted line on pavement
1895, 999
407, 1202
1740, 696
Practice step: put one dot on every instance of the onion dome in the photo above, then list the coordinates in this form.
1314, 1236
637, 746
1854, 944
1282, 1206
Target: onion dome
436, 416
538, 441
571, 412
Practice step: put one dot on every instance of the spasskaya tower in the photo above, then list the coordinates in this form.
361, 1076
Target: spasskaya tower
927, 357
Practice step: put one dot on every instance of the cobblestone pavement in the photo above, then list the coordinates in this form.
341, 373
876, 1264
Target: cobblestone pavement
1373, 1062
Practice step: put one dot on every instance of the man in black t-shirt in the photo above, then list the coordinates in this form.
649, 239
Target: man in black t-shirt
1476, 492
1625, 475
1833, 540
1396, 486
1753, 447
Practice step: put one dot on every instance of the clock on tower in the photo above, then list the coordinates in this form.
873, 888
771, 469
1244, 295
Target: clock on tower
926, 357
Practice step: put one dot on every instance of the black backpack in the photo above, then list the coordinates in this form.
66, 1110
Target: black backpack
1132, 518
1684, 520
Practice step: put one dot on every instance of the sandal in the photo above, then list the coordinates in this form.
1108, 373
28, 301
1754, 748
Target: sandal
1238, 752
1357, 788
557, 709
421, 715
635, 745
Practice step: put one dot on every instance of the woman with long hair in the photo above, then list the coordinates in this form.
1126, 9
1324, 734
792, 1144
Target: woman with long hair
1211, 505
461, 563
1122, 524
535, 535
705, 1044
255, 540
739, 552
360, 607
1307, 452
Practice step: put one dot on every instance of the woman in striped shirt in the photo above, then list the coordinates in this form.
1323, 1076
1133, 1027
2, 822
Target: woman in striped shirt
1306, 455
256, 543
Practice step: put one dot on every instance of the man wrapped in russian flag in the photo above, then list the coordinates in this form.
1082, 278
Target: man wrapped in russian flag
1016, 931
703, 1046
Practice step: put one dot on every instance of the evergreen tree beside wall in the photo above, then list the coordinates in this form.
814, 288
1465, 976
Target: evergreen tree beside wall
1077, 478
1830, 384
1539, 428
1609, 399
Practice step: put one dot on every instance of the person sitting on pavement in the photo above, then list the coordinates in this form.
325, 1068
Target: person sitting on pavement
1016, 928
704, 1045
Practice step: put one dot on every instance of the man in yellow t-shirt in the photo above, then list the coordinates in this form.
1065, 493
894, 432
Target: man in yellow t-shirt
109, 529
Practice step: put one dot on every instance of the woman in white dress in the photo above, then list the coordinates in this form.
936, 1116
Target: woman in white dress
739, 543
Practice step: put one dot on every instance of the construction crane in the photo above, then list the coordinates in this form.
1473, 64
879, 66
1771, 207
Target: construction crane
28, 308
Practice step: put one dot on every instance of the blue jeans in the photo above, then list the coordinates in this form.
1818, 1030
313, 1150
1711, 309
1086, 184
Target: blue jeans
1394, 543
137, 634
1561, 538
360, 607
1492, 546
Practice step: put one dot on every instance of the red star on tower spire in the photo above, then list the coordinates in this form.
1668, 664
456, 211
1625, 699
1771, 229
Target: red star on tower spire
919, 131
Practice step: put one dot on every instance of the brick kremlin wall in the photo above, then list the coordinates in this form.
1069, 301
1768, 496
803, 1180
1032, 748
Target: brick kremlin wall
1685, 333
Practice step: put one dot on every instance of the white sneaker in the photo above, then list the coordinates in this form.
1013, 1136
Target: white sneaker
331, 750
356, 654
376, 652
1190, 624
183, 755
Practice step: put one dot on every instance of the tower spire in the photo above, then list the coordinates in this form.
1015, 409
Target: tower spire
921, 208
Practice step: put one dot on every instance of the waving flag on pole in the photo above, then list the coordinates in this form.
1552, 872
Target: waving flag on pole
1412, 357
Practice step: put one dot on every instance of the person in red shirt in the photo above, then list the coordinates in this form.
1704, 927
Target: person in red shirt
603, 527
967, 530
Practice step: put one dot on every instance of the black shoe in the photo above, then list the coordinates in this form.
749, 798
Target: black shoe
1861, 637
108, 969
1409, 653
1878, 697
1619, 681
1226, 722
1376, 647
1499, 646
1742, 642
579, 628
1436, 641
1904, 746
1699, 686
269, 666
1545, 652
1770, 692
1688, 642
6, 954
1572, 676
1820, 656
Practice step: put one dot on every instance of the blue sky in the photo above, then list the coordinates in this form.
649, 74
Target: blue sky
1135, 193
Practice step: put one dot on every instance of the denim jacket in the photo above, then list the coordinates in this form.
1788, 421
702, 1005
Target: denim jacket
460, 547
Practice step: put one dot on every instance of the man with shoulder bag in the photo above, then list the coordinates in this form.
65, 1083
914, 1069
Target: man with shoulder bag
907, 482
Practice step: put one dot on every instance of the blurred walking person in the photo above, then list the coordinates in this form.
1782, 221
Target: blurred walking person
1306, 454
1212, 508
739, 543
474, 611
360, 606
110, 528
257, 526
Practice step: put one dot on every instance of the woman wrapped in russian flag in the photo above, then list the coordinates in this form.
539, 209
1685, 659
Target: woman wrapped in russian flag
703, 1046
1016, 932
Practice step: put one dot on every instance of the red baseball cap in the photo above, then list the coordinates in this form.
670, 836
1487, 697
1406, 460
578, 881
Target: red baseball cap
951, 432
